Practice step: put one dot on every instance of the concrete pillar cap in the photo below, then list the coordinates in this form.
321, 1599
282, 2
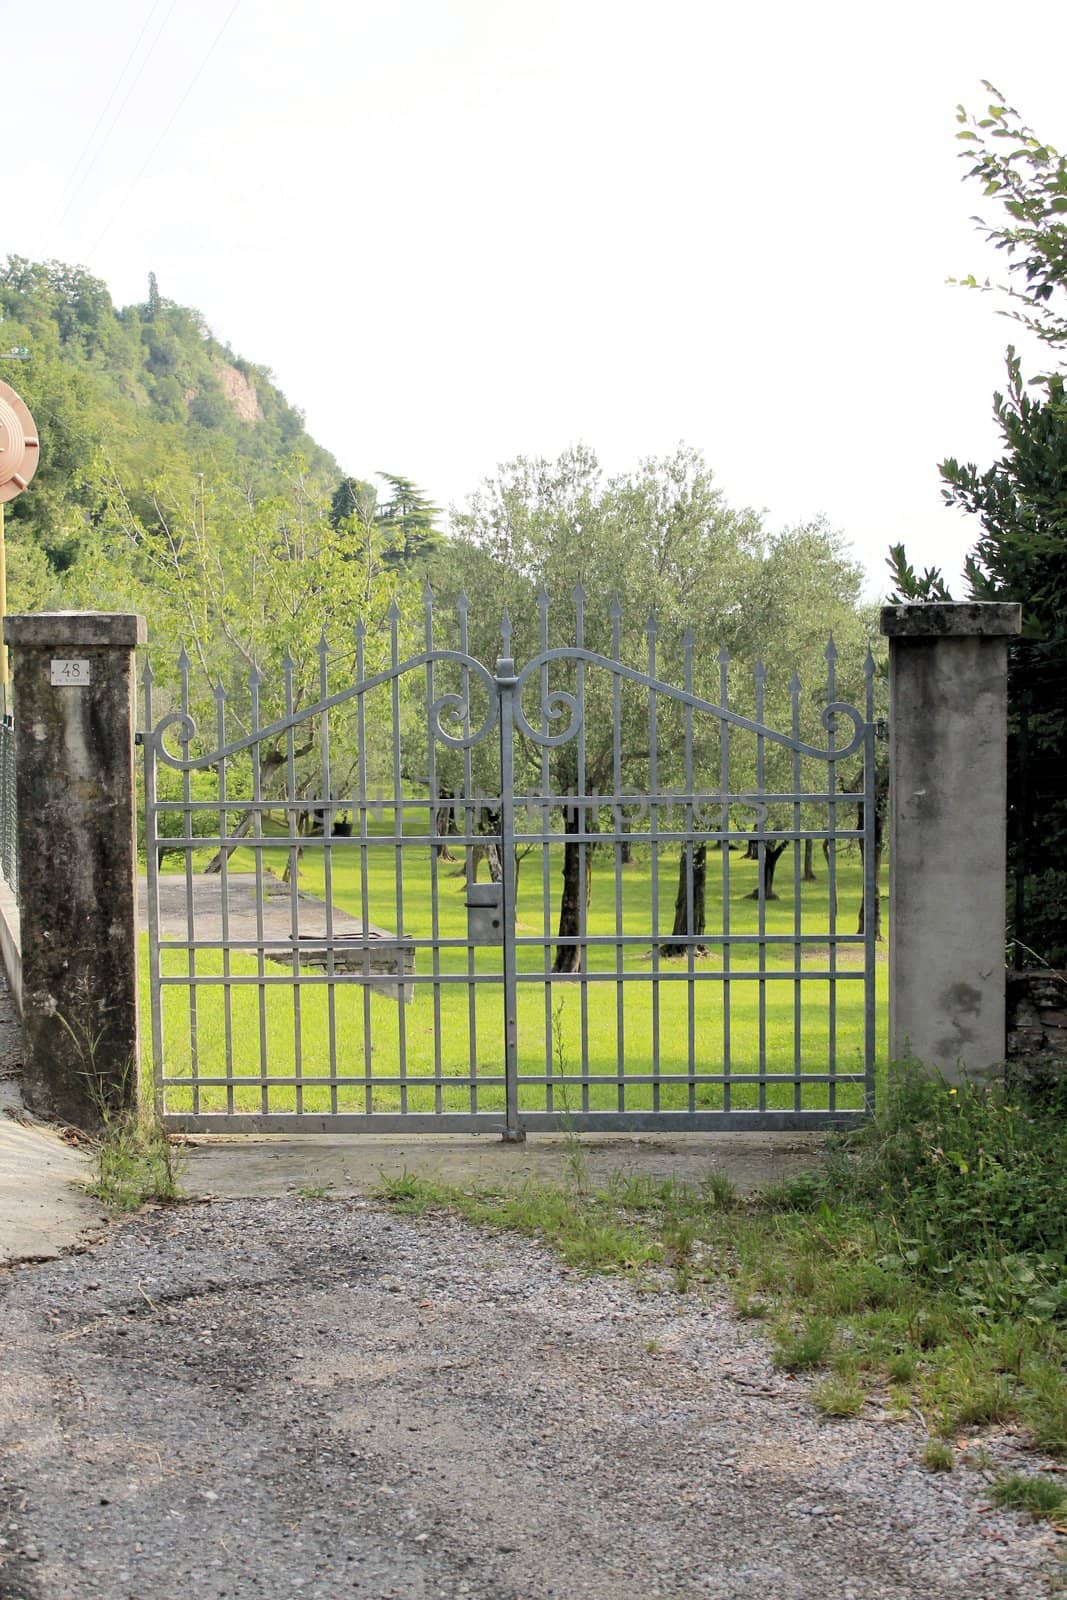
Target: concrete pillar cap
952, 619
58, 630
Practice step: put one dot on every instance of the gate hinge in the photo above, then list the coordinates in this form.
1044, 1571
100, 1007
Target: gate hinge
881, 730
138, 738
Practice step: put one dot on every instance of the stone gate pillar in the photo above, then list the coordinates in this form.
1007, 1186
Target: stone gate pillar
73, 675
948, 833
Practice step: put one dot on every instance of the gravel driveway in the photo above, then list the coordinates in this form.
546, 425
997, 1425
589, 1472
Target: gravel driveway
286, 1397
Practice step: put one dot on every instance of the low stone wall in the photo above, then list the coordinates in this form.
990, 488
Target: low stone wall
1037, 1022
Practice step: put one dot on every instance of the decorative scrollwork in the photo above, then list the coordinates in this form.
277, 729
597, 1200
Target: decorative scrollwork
179, 719
554, 705
458, 707
841, 708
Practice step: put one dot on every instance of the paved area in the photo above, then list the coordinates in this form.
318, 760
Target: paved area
257, 1400
246, 1167
43, 1208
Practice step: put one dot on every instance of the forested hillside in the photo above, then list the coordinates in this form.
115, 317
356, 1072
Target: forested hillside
124, 397
177, 480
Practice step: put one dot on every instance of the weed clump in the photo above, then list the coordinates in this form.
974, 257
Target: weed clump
134, 1162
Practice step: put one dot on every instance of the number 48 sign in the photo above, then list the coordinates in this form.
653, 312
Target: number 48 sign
70, 674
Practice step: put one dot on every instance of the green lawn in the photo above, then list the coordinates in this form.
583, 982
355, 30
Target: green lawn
645, 1045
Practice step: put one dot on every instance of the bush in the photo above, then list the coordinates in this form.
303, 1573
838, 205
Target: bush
968, 1185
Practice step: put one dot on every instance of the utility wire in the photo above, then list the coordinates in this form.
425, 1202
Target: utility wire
74, 182
170, 123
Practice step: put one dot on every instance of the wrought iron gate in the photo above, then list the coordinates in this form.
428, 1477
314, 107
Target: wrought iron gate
566, 893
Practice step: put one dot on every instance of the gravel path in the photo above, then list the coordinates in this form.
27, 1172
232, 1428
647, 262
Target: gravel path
315, 1398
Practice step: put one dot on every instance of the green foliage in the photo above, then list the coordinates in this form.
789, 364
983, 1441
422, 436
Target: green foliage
1021, 503
967, 1185
1043, 1497
125, 395
798, 1349
839, 1398
938, 1456
134, 1162
1028, 178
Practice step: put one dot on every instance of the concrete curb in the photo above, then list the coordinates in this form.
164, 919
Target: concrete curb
43, 1211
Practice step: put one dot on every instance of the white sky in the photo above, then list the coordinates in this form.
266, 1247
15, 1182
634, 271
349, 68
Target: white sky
461, 230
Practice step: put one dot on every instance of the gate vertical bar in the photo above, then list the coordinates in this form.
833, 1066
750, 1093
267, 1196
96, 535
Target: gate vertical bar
360, 632
393, 617
152, 874
546, 863
585, 817
433, 805
759, 674
831, 811
505, 682
724, 782
870, 888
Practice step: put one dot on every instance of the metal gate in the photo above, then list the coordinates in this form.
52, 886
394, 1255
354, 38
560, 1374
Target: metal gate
572, 892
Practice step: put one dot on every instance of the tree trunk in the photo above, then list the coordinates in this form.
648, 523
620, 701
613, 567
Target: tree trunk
771, 852
444, 825
569, 956
881, 804
215, 864
681, 926
809, 868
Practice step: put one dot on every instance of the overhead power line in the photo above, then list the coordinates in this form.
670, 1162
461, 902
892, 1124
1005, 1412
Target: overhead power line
78, 178
169, 124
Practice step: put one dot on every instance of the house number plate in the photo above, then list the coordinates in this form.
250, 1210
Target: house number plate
72, 674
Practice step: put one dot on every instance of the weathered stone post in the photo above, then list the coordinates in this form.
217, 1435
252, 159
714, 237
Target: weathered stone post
74, 719
948, 833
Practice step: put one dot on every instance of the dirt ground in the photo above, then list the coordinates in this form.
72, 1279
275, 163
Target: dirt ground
279, 1397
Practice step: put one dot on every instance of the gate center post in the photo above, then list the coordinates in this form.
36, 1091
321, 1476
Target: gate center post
505, 682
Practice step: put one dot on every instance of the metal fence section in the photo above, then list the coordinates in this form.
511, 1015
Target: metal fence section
414, 891
9, 854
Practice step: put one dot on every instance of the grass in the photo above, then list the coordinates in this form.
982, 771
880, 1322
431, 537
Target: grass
646, 1046
932, 1285
133, 1162
938, 1456
1043, 1497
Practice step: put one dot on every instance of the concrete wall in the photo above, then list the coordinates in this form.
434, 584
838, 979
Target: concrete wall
947, 833
74, 686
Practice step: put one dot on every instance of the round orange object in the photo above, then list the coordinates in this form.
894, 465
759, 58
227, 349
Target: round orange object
20, 448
